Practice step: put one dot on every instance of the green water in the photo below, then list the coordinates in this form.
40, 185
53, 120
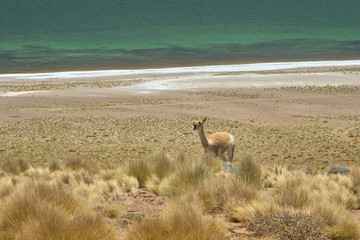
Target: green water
40, 35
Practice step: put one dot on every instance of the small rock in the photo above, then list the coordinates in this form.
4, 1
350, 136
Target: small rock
303, 170
229, 167
343, 170
122, 224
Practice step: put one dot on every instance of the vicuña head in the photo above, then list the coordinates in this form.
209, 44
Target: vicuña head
217, 143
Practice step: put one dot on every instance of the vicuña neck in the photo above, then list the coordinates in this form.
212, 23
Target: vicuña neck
203, 139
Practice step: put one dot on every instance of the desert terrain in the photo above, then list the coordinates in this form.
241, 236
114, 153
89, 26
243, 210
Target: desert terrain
303, 118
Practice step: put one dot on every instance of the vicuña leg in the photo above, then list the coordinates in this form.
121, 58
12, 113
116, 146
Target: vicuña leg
231, 152
222, 157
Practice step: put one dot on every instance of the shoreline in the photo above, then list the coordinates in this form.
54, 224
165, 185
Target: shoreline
246, 67
156, 80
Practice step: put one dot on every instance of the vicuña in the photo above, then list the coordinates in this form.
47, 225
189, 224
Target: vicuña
217, 143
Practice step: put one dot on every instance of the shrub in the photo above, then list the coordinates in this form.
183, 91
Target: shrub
287, 226
250, 171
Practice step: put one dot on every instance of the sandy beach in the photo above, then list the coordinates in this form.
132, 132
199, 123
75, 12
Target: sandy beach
132, 112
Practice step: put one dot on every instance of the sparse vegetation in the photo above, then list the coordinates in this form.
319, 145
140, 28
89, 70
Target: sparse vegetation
93, 173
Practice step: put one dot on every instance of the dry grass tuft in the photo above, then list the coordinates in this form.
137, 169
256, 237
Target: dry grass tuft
128, 183
328, 198
140, 170
220, 192
246, 212
212, 163
113, 210
7, 184
296, 197
54, 165
298, 190
15, 166
152, 184
181, 219
184, 178
328, 214
355, 179
49, 211
250, 171
77, 162
160, 164
347, 229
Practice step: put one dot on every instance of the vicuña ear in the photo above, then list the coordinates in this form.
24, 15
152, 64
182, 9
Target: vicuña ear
204, 120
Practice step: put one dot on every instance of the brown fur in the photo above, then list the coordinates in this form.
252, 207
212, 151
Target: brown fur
217, 143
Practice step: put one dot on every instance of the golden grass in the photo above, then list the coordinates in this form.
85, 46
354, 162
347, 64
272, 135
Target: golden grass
15, 166
160, 163
140, 170
202, 200
299, 190
355, 179
247, 211
327, 198
39, 210
182, 218
250, 171
183, 179
347, 229
128, 183
212, 163
220, 192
